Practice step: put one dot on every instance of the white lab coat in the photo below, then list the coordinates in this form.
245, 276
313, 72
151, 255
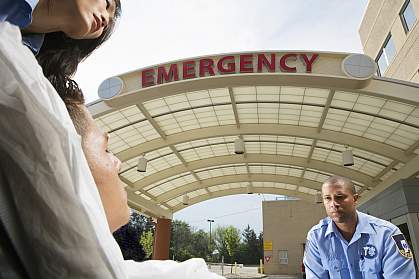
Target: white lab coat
54, 196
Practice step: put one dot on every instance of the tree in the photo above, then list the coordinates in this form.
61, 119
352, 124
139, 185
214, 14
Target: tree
146, 241
260, 246
227, 241
251, 241
186, 243
232, 240
199, 244
180, 241
220, 244
128, 237
249, 248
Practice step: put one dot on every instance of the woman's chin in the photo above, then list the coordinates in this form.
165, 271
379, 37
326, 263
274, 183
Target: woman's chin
78, 32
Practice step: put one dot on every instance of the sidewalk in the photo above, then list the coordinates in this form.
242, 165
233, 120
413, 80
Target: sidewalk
242, 272
281, 277
245, 272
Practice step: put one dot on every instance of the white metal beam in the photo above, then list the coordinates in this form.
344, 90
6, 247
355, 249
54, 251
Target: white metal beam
236, 191
233, 104
325, 110
149, 207
252, 159
385, 170
412, 148
382, 87
151, 120
407, 171
238, 178
268, 129
145, 193
163, 136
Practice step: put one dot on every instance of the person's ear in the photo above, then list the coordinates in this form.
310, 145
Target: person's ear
356, 198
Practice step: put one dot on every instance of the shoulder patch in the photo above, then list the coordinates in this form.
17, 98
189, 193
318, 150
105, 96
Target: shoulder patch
402, 246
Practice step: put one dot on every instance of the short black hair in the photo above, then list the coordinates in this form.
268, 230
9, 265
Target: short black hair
78, 116
336, 179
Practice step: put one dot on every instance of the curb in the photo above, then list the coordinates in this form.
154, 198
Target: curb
233, 276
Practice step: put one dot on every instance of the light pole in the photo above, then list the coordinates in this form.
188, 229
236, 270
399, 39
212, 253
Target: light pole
210, 221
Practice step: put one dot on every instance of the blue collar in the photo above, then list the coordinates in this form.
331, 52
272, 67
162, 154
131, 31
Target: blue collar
33, 41
363, 226
330, 228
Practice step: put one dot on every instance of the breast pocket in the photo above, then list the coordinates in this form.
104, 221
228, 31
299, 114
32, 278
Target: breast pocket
370, 268
337, 269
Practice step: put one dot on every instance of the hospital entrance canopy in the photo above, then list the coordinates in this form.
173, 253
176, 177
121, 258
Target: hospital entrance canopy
296, 112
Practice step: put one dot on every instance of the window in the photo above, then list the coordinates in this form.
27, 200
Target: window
407, 15
283, 256
386, 55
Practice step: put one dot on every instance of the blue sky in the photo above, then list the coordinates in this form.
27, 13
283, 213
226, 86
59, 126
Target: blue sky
154, 32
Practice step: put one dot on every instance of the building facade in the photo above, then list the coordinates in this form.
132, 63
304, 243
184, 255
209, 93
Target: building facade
285, 227
389, 34
399, 204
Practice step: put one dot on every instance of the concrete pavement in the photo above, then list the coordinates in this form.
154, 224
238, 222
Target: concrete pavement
245, 272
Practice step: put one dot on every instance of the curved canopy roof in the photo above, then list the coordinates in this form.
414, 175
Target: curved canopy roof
296, 112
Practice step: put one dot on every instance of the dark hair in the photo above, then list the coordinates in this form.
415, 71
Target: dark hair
344, 181
79, 118
60, 55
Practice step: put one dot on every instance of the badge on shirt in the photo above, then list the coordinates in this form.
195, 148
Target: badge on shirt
369, 251
402, 245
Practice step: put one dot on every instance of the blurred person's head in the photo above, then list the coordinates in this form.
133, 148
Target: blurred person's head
103, 165
78, 19
340, 199
62, 51
73, 30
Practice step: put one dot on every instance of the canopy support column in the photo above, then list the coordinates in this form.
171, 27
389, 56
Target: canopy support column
162, 239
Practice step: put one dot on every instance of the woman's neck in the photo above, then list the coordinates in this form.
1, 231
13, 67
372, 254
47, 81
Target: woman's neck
46, 17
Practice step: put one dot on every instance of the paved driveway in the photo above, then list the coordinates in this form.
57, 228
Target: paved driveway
280, 277
246, 272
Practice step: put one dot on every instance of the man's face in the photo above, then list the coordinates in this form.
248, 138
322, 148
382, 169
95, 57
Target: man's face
339, 202
104, 167
89, 18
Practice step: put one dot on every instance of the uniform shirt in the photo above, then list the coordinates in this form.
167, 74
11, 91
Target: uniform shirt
377, 250
19, 12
